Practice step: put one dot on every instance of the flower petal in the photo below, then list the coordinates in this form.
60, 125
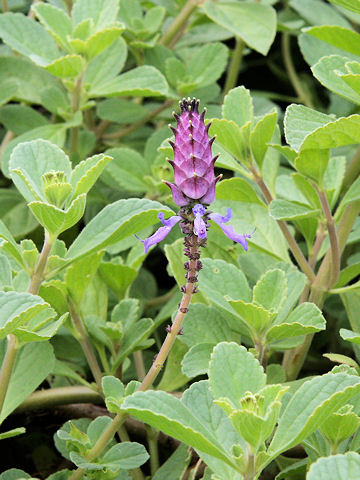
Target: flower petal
199, 224
161, 233
229, 229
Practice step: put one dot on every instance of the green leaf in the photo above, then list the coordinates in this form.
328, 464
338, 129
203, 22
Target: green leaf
142, 81
328, 71
208, 63
238, 106
261, 136
256, 318
28, 37
270, 290
41, 328
234, 139
55, 220
254, 23
175, 465
306, 318
300, 121
128, 169
79, 275
350, 336
14, 474
117, 277
319, 13
340, 37
351, 5
243, 373
285, 210
107, 65
119, 110
169, 414
16, 309
196, 360
34, 363
55, 21
102, 12
100, 41
67, 66
115, 222
9, 245
21, 118
85, 174
345, 466
311, 404
114, 391
54, 134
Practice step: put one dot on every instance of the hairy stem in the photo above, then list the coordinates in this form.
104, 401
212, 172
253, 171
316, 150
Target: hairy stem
334, 244
352, 171
75, 107
86, 345
139, 365
53, 397
294, 247
152, 438
289, 65
234, 66
131, 128
7, 366
38, 276
179, 22
192, 245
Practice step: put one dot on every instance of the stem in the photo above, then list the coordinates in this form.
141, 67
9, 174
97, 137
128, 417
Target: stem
131, 128
59, 396
176, 326
7, 366
294, 247
192, 246
294, 359
4, 6
86, 345
334, 244
75, 107
234, 66
152, 438
6, 139
136, 473
179, 22
296, 83
320, 237
12, 346
157, 301
31, 13
38, 275
139, 365
352, 171
100, 445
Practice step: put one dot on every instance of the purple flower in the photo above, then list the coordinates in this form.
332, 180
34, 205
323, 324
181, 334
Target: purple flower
194, 186
161, 233
193, 164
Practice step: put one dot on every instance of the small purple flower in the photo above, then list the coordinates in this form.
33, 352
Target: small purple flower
194, 186
161, 233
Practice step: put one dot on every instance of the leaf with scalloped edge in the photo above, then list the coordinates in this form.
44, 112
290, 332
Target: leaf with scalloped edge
341, 466
85, 174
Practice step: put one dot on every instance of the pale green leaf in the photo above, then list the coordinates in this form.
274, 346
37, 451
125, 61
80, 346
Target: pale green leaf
85, 174
234, 139
270, 290
101, 12
352, 5
285, 210
238, 106
208, 63
243, 373
252, 22
100, 41
144, 81
196, 360
128, 169
67, 66
79, 275
28, 37
21, 118
312, 403
56, 22
340, 37
117, 277
345, 466
261, 136
319, 13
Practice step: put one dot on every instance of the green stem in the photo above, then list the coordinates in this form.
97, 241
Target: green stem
334, 244
53, 397
296, 83
4, 6
294, 247
294, 359
75, 107
7, 367
234, 66
131, 128
139, 365
136, 473
37, 278
152, 438
86, 345
162, 299
352, 171
179, 22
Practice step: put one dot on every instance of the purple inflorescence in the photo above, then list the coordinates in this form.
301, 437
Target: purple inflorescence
194, 180
193, 163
